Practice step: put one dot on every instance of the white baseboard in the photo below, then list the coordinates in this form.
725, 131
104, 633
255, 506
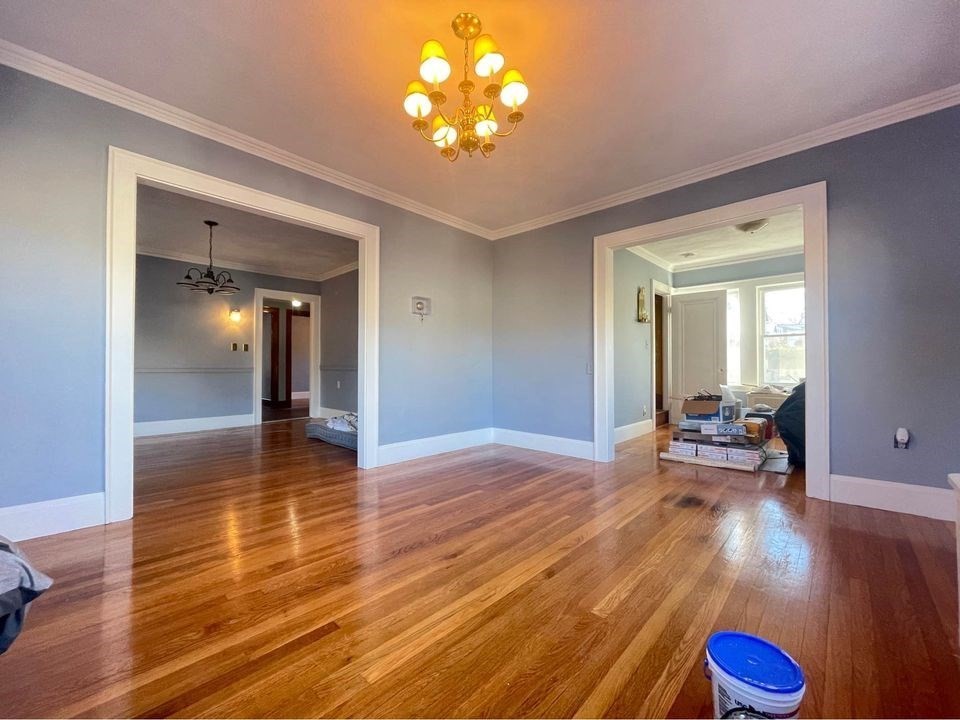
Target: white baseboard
300, 395
545, 443
633, 430
49, 517
169, 427
931, 502
423, 447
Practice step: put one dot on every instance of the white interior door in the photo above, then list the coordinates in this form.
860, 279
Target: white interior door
699, 345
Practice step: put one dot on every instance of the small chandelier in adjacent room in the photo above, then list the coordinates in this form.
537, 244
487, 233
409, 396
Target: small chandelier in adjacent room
208, 281
470, 127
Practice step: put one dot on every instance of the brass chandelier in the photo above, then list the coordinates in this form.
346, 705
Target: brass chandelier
470, 127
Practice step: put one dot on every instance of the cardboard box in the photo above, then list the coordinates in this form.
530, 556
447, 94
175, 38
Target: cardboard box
716, 411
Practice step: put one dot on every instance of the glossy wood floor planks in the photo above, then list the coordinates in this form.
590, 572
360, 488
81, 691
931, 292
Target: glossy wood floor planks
264, 575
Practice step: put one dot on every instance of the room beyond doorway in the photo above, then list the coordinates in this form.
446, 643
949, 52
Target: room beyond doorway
127, 172
285, 342
811, 200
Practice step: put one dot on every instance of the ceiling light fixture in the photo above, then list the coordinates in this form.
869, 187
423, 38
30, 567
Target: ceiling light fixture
470, 127
208, 281
752, 225
296, 303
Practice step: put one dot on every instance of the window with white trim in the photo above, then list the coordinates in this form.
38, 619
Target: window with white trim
783, 332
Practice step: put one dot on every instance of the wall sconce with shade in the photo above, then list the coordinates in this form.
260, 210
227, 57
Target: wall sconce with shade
642, 316
235, 315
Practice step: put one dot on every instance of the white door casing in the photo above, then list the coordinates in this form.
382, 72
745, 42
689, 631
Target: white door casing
259, 295
812, 199
126, 170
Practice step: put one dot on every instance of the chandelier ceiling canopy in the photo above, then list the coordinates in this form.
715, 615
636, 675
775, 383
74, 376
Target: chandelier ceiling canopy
469, 127
209, 281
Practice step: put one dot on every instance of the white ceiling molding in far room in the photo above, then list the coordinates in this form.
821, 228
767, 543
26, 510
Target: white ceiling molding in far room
776, 236
171, 226
761, 103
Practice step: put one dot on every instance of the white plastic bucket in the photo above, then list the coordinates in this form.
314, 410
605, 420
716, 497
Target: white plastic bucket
731, 694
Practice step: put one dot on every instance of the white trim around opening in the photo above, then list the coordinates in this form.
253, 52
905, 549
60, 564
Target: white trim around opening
125, 171
812, 199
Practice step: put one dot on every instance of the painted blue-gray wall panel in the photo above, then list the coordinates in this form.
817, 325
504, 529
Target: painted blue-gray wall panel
632, 353
53, 171
445, 392
894, 319
300, 352
542, 350
338, 341
343, 397
177, 329
740, 271
179, 395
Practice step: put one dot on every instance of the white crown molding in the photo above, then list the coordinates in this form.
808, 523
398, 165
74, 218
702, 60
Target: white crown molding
54, 71
915, 107
750, 257
642, 252
342, 270
203, 261
646, 254
34, 63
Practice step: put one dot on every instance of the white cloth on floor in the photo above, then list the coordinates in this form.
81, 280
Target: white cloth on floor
346, 423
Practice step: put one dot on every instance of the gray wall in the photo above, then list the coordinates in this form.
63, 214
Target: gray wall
184, 367
300, 353
894, 317
338, 341
740, 271
53, 170
632, 352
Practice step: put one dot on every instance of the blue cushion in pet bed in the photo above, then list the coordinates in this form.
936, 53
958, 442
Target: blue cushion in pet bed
319, 431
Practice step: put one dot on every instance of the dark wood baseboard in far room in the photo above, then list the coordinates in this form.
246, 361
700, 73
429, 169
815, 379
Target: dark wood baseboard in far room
490, 582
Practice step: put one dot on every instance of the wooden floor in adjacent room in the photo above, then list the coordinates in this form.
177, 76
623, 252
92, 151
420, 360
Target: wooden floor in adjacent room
263, 575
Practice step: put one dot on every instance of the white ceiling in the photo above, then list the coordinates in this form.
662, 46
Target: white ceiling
623, 93
171, 225
783, 235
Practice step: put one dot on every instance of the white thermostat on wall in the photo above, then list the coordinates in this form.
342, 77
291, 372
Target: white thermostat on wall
421, 306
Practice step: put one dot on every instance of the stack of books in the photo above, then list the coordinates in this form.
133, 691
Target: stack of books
680, 447
746, 454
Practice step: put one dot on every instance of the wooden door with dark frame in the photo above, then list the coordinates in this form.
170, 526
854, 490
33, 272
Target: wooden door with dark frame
274, 400
660, 337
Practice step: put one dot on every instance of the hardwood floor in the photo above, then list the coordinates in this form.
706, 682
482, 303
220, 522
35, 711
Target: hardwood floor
263, 575
299, 408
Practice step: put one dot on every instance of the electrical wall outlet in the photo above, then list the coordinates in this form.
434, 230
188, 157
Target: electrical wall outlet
645, 410
338, 384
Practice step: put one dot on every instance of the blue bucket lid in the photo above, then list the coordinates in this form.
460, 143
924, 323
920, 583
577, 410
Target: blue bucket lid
755, 661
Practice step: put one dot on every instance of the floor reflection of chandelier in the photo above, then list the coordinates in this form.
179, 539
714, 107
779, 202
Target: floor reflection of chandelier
470, 127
